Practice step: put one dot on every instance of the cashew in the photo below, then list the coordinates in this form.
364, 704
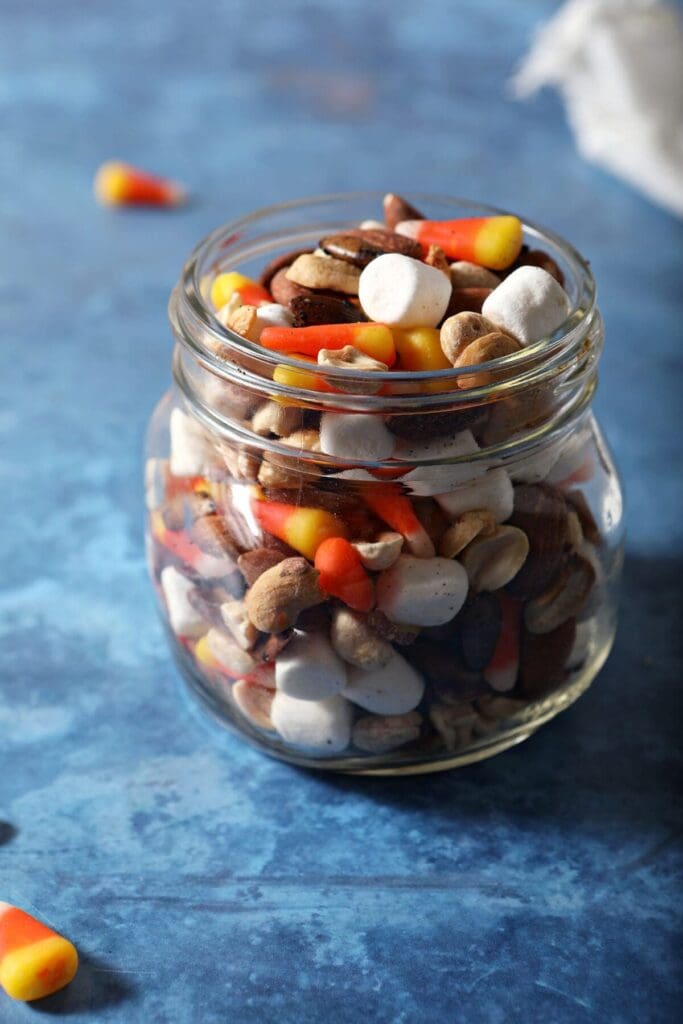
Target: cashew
281, 593
350, 358
273, 418
381, 553
493, 560
244, 321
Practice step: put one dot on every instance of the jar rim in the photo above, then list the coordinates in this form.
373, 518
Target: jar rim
197, 329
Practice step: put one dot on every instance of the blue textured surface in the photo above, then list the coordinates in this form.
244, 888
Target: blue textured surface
201, 881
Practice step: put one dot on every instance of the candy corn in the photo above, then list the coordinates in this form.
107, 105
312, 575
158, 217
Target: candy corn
501, 671
250, 292
397, 512
374, 340
34, 960
492, 242
304, 529
304, 379
342, 574
419, 349
119, 184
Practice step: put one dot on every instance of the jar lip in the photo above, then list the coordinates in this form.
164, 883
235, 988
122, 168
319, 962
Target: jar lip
196, 326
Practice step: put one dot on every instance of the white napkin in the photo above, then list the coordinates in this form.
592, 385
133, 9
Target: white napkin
619, 67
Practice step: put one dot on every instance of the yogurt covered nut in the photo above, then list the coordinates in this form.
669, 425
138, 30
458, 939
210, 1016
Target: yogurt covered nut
422, 591
309, 668
392, 689
321, 727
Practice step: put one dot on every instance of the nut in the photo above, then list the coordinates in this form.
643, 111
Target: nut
564, 599
543, 659
471, 275
212, 534
234, 615
483, 350
285, 291
313, 271
467, 300
355, 642
436, 257
279, 594
350, 358
351, 248
244, 321
492, 561
381, 553
497, 708
254, 701
458, 331
537, 258
397, 209
454, 723
395, 632
577, 500
388, 241
480, 623
306, 440
253, 563
278, 263
315, 309
540, 510
230, 655
273, 418
464, 529
378, 734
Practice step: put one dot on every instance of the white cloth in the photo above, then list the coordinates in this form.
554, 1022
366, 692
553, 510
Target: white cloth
619, 67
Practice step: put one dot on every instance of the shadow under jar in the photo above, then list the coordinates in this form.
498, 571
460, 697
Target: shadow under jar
489, 539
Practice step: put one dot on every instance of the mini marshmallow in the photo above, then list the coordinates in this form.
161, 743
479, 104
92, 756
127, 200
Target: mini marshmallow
492, 491
355, 436
429, 480
191, 451
156, 481
319, 726
422, 591
403, 292
184, 618
393, 689
309, 669
530, 304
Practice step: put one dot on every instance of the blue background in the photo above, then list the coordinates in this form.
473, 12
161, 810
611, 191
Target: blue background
201, 881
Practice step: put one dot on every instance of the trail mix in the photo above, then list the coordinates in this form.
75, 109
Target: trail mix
344, 609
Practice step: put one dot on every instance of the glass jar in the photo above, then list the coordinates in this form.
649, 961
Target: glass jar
499, 496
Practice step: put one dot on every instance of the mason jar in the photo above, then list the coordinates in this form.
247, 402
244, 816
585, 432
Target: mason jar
489, 537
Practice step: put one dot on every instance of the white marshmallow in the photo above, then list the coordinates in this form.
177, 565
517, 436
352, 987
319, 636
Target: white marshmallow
422, 591
191, 450
529, 303
393, 689
156, 480
355, 436
429, 480
320, 726
492, 491
403, 292
272, 314
184, 618
309, 668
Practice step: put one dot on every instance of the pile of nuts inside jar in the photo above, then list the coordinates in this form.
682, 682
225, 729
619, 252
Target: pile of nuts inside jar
341, 609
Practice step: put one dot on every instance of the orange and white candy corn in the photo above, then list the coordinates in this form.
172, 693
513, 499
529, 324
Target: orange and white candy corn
35, 961
492, 242
231, 283
120, 184
304, 529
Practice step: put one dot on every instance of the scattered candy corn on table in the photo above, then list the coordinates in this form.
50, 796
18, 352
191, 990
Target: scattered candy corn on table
199, 881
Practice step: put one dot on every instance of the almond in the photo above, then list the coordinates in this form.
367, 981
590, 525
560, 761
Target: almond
285, 291
397, 209
279, 263
470, 275
467, 300
253, 563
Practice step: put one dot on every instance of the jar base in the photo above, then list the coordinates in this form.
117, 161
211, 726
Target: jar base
521, 726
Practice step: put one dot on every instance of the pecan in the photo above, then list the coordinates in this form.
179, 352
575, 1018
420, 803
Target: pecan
564, 599
396, 209
311, 271
313, 309
543, 658
541, 512
281, 593
351, 249
484, 350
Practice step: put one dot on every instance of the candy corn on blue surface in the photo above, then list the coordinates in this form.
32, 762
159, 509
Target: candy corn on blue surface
200, 881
